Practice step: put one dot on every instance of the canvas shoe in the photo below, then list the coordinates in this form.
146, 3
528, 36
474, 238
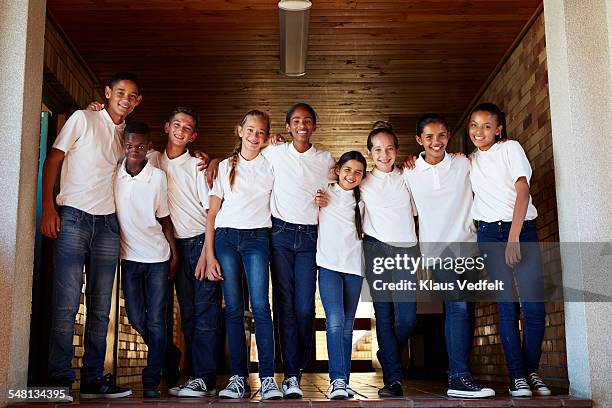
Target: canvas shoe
466, 387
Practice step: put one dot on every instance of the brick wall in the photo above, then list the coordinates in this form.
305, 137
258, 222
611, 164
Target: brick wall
520, 88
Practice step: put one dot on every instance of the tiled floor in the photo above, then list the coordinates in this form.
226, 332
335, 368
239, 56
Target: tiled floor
418, 394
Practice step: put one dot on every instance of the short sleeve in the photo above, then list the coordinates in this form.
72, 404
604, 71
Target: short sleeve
331, 164
518, 163
162, 209
153, 157
202, 188
217, 188
270, 152
71, 131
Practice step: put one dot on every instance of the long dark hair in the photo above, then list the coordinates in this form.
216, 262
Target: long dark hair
302, 105
494, 110
355, 155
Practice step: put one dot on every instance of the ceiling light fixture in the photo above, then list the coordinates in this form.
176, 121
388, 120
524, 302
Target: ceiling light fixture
293, 16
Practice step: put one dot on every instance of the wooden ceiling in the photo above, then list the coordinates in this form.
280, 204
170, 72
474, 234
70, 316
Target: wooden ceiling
367, 60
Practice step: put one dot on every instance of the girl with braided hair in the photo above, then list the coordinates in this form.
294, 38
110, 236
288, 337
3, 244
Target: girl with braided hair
237, 240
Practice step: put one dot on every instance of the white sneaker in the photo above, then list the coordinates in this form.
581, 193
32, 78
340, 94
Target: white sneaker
538, 386
291, 388
194, 388
237, 388
269, 389
520, 388
338, 389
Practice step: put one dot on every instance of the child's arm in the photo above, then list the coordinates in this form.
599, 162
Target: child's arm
50, 220
168, 230
208, 262
513, 249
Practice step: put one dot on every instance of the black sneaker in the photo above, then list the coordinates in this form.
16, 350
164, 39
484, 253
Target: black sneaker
104, 387
338, 389
520, 388
466, 387
391, 390
538, 386
151, 393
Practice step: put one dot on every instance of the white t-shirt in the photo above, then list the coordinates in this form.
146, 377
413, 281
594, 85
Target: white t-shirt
247, 204
92, 146
140, 200
389, 212
338, 247
493, 175
187, 194
297, 177
442, 194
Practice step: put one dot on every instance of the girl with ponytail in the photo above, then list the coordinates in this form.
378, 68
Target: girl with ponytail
339, 257
237, 239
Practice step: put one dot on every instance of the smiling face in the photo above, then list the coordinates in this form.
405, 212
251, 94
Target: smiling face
484, 129
253, 133
301, 125
434, 139
383, 151
350, 174
122, 98
181, 129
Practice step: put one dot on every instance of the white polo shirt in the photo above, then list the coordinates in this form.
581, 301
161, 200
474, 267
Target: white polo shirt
297, 177
493, 175
187, 194
389, 212
247, 204
140, 200
442, 194
338, 247
92, 146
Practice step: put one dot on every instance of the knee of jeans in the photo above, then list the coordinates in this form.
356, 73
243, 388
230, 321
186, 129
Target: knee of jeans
334, 323
261, 310
507, 311
304, 312
234, 312
405, 325
534, 310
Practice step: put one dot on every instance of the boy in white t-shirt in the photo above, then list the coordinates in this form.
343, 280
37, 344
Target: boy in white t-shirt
86, 232
148, 250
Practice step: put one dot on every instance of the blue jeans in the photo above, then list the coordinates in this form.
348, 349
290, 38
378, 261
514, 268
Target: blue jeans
492, 238
294, 279
395, 312
90, 241
200, 304
340, 296
248, 250
145, 288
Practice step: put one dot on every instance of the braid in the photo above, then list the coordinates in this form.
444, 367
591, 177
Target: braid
359, 227
233, 161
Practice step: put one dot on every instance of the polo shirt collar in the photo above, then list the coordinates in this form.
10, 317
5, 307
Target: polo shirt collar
109, 120
312, 150
178, 160
381, 174
493, 148
144, 175
422, 165
252, 162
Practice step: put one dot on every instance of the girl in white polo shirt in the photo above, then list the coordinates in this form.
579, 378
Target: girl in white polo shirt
340, 261
237, 239
389, 231
508, 241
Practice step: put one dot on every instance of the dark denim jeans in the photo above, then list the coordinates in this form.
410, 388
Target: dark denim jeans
145, 288
90, 241
294, 279
492, 238
395, 312
340, 296
200, 304
248, 250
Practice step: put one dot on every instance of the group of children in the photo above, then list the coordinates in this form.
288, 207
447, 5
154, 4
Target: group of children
288, 208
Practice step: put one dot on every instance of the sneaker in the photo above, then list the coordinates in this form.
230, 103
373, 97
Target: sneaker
151, 393
520, 388
269, 389
538, 386
236, 388
349, 391
338, 389
466, 387
391, 390
291, 388
194, 387
104, 387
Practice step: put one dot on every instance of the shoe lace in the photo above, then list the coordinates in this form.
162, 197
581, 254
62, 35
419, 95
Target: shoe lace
520, 383
291, 382
236, 384
470, 383
536, 381
194, 383
268, 384
108, 379
338, 383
